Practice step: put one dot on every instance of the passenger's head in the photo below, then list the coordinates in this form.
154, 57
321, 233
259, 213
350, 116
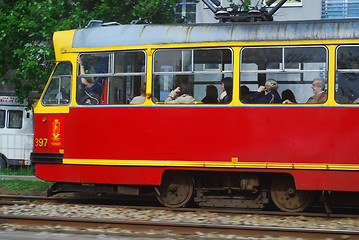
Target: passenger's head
211, 91
288, 95
185, 88
143, 88
227, 85
244, 90
271, 85
318, 85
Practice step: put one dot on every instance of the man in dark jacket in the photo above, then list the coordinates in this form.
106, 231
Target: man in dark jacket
272, 95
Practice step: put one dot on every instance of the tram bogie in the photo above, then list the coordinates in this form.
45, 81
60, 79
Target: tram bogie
241, 190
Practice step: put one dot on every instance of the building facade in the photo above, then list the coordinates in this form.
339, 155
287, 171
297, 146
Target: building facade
293, 10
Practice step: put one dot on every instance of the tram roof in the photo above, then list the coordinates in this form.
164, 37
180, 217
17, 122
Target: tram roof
121, 35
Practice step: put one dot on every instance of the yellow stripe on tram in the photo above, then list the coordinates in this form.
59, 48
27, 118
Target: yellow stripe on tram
211, 164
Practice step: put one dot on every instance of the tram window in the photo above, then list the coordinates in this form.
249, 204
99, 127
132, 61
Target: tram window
173, 61
121, 89
347, 75
117, 81
96, 63
2, 118
263, 58
294, 69
130, 62
59, 88
15, 119
202, 69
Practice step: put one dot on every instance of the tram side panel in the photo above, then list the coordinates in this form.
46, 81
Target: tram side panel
134, 145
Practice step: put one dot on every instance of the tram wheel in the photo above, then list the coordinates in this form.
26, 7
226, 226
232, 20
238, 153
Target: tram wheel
176, 189
286, 197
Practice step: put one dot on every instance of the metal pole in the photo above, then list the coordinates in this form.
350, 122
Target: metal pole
271, 12
270, 2
210, 6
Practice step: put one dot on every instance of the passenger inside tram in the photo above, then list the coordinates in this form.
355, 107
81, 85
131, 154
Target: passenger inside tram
272, 95
293, 67
211, 95
320, 94
245, 94
141, 99
288, 96
94, 87
227, 90
181, 95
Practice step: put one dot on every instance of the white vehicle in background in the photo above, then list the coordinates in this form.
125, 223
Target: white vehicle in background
16, 132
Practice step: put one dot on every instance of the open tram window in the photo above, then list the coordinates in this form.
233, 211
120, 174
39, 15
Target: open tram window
92, 82
201, 69
112, 78
347, 75
2, 118
293, 67
59, 88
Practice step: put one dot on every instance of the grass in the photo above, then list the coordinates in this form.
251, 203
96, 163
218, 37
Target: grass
21, 185
19, 171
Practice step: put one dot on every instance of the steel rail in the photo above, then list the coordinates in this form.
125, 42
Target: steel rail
17, 199
178, 227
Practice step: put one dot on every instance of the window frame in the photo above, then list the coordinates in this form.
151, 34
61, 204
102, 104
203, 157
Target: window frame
192, 61
184, 14
60, 80
112, 69
8, 119
193, 72
337, 70
283, 70
341, 71
111, 73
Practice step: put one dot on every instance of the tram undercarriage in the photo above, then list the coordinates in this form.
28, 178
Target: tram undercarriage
206, 197
230, 190
239, 190
211, 189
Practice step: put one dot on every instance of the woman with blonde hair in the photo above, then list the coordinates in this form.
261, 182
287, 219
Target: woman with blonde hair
272, 95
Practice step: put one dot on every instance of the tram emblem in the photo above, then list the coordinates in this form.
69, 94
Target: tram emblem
56, 133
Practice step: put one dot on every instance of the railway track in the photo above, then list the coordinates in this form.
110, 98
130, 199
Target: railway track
16, 199
180, 228
104, 225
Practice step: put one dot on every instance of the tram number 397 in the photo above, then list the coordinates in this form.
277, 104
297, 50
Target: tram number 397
40, 142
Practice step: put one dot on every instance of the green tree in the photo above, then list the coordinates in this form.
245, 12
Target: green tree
124, 12
27, 26
242, 5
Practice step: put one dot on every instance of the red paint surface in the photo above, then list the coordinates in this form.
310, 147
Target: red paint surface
324, 135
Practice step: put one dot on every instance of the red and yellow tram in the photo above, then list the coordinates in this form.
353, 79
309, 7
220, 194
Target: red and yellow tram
91, 135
